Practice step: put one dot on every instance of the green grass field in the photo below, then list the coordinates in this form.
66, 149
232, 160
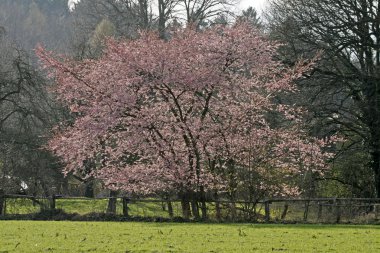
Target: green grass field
153, 208
33, 236
143, 208
84, 206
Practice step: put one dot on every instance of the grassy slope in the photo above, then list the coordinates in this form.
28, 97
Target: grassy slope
32, 236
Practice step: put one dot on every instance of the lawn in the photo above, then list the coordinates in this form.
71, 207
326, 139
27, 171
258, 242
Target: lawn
84, 206
142, 208
36, 236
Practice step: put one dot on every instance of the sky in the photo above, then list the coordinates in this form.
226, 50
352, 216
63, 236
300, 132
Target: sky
259, 5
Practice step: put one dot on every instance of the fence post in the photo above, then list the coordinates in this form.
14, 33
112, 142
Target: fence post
2, 202
233, 210
111, 208
170, 208
306, 212
125, 206
218, 211
320, 208
267, 211
338, 213
352, 216
52, 202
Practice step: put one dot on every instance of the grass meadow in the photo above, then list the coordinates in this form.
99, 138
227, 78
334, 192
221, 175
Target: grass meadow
48, 236
84, 206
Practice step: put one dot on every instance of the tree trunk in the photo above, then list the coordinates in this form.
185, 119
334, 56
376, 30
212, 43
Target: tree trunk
167, 201
194, 205
125, 207
285, 211
89, 191
52, 202
65, 187
170, 209
44, 188
161, 18
267, 211
112, 202
217, 206
143, 5
2, 201
376, 168
185, 205
203, 203
195, 209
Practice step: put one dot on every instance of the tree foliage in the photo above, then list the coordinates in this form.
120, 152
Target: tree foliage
184, 116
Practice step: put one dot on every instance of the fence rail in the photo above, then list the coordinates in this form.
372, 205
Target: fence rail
313, 210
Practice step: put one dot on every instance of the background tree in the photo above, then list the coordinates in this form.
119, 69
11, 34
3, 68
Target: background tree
198, 12
37, 21
250, 16
166, 11
27, 112
129, 16
103, 30
343, 88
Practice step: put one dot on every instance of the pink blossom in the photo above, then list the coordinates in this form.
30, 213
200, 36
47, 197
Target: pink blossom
152, 114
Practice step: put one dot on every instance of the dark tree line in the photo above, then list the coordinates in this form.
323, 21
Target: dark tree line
342, 92
27, 112
343, 89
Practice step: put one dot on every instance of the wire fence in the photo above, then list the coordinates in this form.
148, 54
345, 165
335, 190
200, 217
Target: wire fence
321, 210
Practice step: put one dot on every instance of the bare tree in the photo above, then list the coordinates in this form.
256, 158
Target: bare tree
166, 9
27, 113
199, 11
345, 85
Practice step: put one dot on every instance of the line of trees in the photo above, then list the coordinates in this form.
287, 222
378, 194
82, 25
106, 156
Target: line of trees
337, 95
27, 112
344, 86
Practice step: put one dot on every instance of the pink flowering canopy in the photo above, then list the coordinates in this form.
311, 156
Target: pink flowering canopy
155, 115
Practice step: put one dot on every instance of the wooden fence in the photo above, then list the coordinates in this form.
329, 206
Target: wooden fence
316, 210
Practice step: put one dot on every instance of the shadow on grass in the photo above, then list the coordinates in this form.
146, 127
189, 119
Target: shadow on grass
60, 215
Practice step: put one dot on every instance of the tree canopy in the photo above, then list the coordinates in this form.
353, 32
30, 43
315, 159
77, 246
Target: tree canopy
184, 115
